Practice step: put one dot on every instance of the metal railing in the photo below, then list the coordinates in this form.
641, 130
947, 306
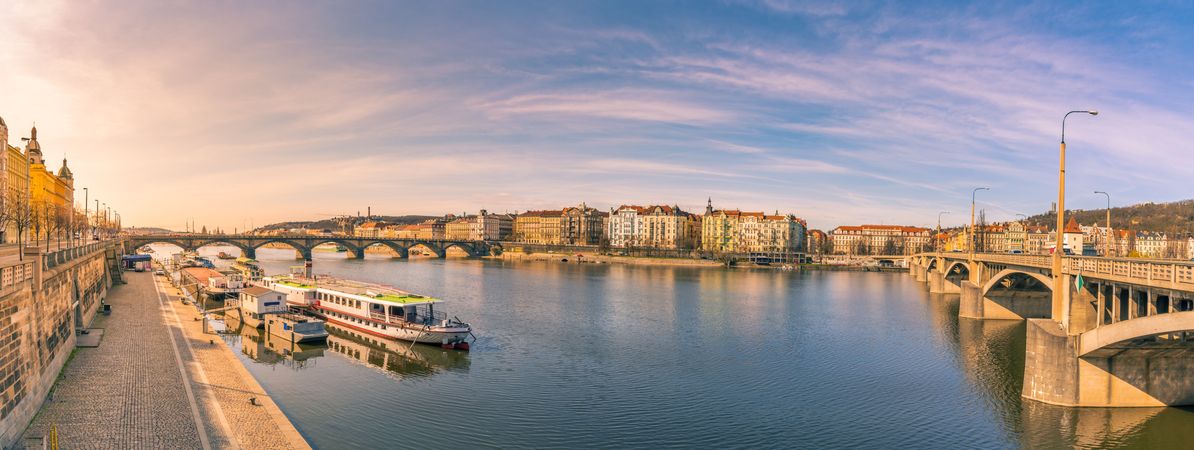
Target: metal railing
1143, 270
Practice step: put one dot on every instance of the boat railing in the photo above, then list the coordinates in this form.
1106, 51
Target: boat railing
420, 319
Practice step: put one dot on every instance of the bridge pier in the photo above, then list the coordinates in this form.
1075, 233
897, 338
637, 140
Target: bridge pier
250, 253
1055, 373
919, 272
356, 254
1003, 305
939, 283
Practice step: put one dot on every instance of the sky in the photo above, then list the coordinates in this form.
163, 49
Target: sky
239, 114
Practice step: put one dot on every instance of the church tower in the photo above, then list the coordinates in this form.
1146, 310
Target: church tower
66, 176
33, 148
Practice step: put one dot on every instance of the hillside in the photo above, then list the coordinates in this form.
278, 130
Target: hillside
332, 224
1174, 217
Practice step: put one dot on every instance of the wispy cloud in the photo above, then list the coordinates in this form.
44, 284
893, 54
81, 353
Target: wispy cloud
835, 113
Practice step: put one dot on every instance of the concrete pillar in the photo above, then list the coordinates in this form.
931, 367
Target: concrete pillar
936, 282
1102, 305
251, 253
356, 253
1116, 303
919, 273
970, 305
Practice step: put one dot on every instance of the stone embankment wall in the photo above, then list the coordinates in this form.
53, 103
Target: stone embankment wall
40, 308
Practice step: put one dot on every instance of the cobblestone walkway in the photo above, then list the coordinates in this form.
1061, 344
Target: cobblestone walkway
225, 382
128, 392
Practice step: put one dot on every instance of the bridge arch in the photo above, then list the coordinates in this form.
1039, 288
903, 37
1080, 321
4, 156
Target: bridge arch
297, 246
184, 245
422, 246
1011, 274
1123, 333
399, 250
245, 249
957, 268
465, 247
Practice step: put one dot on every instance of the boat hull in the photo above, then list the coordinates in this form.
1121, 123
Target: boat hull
452, 337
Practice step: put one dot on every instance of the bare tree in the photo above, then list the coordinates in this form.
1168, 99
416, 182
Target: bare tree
21, 215
980, 233
862, 248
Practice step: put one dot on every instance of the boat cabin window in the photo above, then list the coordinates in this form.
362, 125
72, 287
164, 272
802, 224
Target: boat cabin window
396, 311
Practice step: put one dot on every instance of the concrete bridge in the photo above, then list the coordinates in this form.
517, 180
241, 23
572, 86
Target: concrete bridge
1124, 336
305, 244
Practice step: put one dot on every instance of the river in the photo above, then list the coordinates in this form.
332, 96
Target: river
614, 356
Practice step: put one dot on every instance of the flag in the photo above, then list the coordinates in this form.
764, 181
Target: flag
1079, 282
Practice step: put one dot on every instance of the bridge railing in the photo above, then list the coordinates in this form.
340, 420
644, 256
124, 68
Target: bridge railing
58, 257
1022, 260
1177, 272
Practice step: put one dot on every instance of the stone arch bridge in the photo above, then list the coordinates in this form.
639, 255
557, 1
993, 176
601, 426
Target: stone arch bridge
304, 244
1122, 336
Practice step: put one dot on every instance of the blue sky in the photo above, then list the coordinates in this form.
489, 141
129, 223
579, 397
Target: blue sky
838, 113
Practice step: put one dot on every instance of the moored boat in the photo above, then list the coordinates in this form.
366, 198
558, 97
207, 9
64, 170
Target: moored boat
255, 302
214, 284
388, 312
248, 269
296, 328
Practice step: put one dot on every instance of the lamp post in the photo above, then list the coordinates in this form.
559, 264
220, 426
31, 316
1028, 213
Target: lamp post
1107, 238
1058, 281
972, 196
1025, 228
86, 218
937, 238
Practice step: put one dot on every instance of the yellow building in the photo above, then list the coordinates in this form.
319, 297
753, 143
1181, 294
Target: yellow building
734, 231
52, 196
539, 227
459, 229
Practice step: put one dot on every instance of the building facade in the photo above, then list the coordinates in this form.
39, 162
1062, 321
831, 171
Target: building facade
735, 231
580, 225
879, 239
32, 193
653, 227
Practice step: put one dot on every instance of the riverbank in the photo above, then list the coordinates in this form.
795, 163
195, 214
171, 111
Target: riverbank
607, 259
156, 380
584, 258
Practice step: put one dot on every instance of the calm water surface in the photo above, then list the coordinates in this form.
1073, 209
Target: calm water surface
579, 356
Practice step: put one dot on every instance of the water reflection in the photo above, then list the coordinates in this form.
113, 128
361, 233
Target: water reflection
395, 357
632, 357
991, 355
269, 349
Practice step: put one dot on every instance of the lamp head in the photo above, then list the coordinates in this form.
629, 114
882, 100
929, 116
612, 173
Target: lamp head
1093, 112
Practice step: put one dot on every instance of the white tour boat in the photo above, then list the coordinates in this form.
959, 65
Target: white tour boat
374, 309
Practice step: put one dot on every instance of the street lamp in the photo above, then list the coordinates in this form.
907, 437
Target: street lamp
937, 238
1023, 218
1058, 282
972, 195
1107, 238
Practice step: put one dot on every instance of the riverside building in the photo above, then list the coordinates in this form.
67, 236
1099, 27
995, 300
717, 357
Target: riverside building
735, 231
879, 239
653, 227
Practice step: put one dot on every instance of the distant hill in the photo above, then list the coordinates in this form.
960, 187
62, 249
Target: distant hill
147, 230
1174, 217
331, 224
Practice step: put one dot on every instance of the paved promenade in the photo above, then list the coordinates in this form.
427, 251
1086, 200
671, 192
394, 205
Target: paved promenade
157, 381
